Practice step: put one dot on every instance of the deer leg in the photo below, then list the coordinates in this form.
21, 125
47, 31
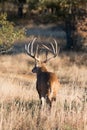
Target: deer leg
48, 101
43, 101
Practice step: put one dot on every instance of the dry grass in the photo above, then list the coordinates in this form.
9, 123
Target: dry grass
19, 102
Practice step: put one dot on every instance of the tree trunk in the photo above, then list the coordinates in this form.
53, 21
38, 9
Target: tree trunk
20, 10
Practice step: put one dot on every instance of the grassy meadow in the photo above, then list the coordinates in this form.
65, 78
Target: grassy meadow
19, 101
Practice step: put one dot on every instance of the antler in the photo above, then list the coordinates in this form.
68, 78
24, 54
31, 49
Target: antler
34, 54
53, 50
30, 50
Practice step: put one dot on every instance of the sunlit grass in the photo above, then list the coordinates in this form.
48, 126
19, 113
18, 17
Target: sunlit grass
19, 101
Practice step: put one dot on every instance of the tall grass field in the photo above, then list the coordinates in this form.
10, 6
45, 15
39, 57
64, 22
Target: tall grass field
19, 101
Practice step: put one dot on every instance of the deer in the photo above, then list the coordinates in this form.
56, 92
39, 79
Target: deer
47, 83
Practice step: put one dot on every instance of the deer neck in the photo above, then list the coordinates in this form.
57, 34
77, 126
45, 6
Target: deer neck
41, 70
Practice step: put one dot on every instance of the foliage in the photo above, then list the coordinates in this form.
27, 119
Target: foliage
62, 7
8, 33
33, 4
67, 5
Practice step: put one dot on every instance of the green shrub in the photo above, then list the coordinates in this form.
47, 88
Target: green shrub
8, 33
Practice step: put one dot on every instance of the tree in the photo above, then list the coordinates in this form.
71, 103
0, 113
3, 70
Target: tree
19, 3
73, 12
8, 34
20, 7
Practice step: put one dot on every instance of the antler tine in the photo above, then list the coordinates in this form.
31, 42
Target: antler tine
46, 47
30, 50
53, 50
36, 52
32, 45
56, 46
27, 48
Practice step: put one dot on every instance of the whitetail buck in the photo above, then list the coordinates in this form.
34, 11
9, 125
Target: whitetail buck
47, 83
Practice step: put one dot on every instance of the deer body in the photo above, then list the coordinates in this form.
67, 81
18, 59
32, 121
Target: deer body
47, 83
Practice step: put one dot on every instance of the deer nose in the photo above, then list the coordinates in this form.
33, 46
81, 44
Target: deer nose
34, 70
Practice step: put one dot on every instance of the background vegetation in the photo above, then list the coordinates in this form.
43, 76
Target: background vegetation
8, 34
73, 14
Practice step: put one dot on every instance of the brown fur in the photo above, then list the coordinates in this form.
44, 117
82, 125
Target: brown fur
47, 83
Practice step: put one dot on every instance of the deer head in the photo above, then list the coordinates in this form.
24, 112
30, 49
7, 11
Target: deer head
34, 53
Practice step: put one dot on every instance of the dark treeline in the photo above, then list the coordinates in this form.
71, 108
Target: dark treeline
72, 13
